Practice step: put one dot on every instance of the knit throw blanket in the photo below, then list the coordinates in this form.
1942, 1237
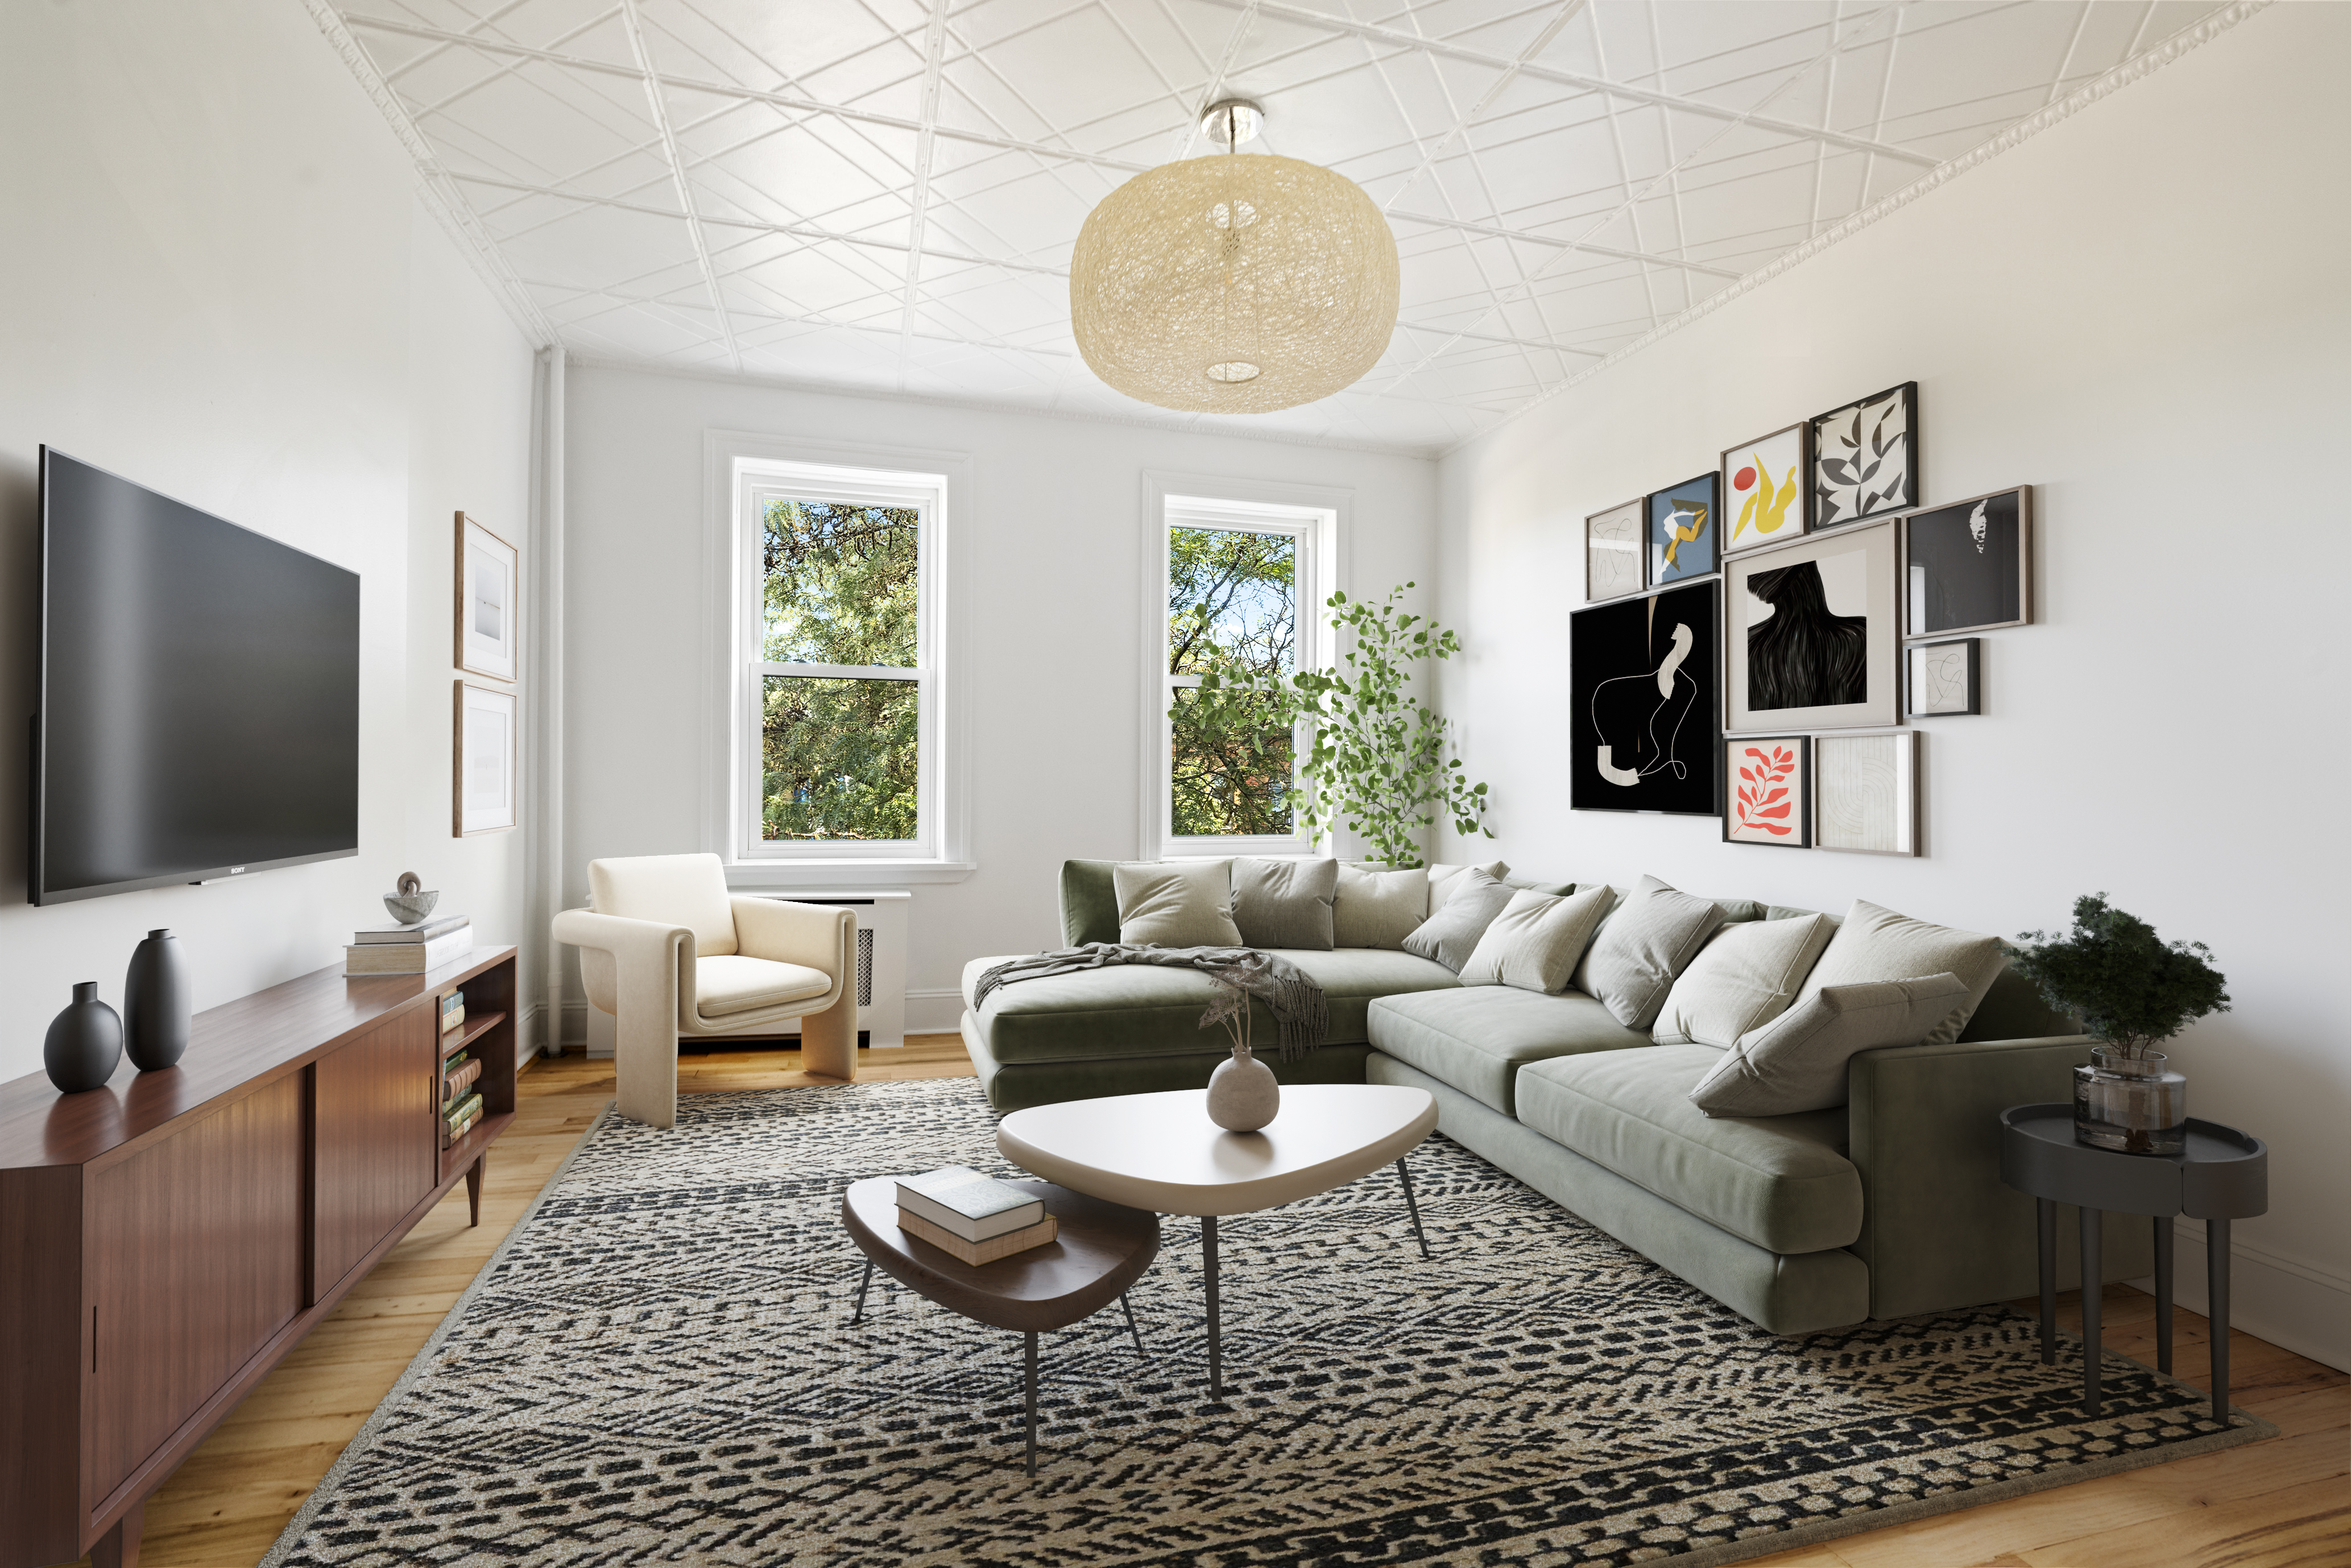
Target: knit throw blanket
1289, 993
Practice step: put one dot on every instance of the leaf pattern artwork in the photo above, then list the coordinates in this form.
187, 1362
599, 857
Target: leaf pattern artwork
1862, 459
1764, 800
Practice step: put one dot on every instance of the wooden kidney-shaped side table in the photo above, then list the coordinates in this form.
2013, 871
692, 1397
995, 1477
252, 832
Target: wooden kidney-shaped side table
1100, 1248
2222, 1174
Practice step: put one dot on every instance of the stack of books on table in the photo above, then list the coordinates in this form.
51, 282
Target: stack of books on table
969, 1216
409, 950
460, 1103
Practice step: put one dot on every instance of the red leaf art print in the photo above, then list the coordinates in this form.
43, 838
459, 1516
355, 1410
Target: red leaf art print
1762, 802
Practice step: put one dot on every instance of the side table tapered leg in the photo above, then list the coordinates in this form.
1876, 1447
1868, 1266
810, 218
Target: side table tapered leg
1412, 1209
2216, 1274
1216, 1351
2046, 1212
2163, 1292
2094, 1279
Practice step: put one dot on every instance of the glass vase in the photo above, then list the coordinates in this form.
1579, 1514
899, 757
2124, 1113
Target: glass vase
2130, 1104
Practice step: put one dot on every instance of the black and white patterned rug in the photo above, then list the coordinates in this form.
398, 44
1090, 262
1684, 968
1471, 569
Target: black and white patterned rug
658, 1366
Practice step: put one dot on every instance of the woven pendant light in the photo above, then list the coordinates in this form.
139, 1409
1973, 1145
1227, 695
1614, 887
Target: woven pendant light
1234, 284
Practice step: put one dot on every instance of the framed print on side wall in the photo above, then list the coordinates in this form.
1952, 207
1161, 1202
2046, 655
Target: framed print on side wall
1865, 457
488, 578
1768, 780
1612, 552
1809, 634
1967, 566
1767, 490
1643, 683
1865, 792
1684, 522
1943, 677
483, 760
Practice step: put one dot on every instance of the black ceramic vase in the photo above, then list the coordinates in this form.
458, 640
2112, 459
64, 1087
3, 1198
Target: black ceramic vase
85, 1042
157, 1002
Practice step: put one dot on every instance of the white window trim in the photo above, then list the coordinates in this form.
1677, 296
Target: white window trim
735, 461
1322, 517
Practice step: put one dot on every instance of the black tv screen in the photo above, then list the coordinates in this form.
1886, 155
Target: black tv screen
199, 695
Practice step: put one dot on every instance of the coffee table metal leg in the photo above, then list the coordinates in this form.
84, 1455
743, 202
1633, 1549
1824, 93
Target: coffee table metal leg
1130, 1325
1031, 1337
2163, 1292
859, 1315
2093, 1275
2216, 1275
2046, 1213
1405, 1170
1209, 1263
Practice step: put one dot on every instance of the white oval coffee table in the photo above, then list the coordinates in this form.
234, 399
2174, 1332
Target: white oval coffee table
1160, 1152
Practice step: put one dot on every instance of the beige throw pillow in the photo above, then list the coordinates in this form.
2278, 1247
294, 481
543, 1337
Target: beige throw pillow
1642, 947
1797, 1062
1450, 936
1445, 881
1875, 944
1535, 942
1176, 904
1742, 979
1285, 902
1378, 908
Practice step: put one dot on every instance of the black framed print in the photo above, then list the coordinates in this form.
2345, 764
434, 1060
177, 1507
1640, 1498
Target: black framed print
1865, 792
1943, 677
1865, 458
1644, 680
1967, 566
1612, 552
1767, 490
1809, 634
1768, 779
1684, 522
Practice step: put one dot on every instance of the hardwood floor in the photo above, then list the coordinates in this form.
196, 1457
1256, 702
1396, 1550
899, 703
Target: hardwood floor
2280, 1504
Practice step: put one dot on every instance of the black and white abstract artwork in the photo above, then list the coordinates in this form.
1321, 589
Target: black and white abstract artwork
1612, 552
1944, 677
1968, 564
1811, 634
1642, 675
1865, 458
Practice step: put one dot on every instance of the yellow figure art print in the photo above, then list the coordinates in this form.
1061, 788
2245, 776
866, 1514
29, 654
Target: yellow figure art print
1682, 530
1763, 483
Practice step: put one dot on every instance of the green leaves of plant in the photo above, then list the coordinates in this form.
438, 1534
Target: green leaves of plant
2129, 986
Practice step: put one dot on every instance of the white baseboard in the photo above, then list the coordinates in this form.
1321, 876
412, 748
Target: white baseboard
2292, 1302
938, 1010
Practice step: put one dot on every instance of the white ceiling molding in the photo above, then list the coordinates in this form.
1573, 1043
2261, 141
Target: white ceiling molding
659, 108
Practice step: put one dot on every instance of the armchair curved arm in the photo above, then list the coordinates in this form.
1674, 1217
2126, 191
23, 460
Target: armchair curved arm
641, 972
819, 936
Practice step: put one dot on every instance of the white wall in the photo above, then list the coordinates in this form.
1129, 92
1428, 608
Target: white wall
216, 283
2141, 312
1051, 534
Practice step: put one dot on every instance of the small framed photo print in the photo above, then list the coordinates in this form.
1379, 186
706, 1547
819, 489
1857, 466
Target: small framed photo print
1943, 677
1969, 566
1865, 792
1771, 802
1811, 634
1612, 552
489, 585
483, 789
1865, 457
1684, 522
1767, 492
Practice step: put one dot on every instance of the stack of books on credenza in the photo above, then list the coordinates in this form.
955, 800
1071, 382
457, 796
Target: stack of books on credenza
460, 1103
409, 950
969, 1216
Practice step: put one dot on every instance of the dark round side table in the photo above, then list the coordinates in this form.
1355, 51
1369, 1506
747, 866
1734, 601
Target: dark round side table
2222, 1174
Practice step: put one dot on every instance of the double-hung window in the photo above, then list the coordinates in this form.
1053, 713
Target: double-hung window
1241, 590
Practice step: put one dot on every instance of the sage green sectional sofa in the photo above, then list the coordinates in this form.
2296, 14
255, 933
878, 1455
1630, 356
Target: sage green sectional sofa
1887, 1207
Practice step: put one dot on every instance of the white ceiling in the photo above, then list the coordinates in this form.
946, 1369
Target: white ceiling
882, 194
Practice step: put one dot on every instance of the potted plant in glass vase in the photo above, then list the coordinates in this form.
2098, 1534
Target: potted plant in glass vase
2131, 990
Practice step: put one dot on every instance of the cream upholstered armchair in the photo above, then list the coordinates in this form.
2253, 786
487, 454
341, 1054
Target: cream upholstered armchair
667, 952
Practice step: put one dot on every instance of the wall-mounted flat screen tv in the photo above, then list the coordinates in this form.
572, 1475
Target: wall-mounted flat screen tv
198, 703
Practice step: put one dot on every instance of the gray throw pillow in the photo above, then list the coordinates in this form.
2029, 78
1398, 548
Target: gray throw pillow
1742, 979
1548, 889
1176, 904
1535, 942
1450, 936
1378, 908
1798, 1060
1875, 944
1445, 881
1286, 903
1641, 948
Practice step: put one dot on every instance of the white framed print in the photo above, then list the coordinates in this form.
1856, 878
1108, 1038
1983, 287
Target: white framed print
489, 587
482, 757
1865, 792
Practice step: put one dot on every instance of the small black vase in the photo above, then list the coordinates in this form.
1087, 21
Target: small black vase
85, 1042
157, 1002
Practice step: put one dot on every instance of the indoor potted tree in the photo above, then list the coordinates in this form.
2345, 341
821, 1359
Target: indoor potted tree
2131, 990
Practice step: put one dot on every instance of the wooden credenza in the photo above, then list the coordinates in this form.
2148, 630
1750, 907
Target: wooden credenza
166, 1239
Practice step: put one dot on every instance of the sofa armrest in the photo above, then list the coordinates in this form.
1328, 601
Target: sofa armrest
1939, 1228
